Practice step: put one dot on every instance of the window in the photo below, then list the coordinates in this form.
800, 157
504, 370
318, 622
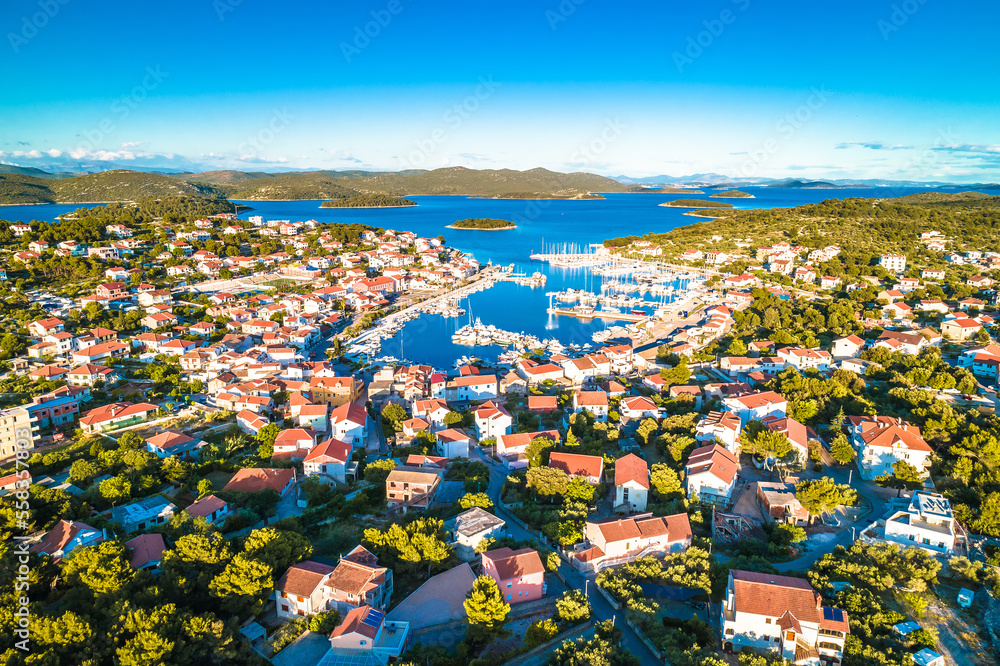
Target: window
508, 597
362, 641
509, 584
767, 621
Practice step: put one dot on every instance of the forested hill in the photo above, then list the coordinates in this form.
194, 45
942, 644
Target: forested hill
123, 185
107, 186
969, 220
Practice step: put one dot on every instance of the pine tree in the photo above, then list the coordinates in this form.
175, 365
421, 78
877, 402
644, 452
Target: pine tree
484, 604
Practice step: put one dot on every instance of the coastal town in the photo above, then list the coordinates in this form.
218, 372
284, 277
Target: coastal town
210, 421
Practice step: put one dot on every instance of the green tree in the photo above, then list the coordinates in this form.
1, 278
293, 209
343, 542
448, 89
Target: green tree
279, 549
579, 490
394, 415
324, 623
760, 440
665, 480
470, 500
485, 607
103, 568
540, 632
841, 449
244, 584
548, 481
204, 487
82, 470
537, 451
573, 607
453, 418
129, 440
377, 471
677, 375
904, 477
552, 561
265, 440
823, 495
116, 489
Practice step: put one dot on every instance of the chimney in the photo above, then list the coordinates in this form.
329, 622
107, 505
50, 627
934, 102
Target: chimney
819, 601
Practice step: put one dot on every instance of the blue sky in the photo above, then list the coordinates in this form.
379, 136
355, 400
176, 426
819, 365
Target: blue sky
852, 89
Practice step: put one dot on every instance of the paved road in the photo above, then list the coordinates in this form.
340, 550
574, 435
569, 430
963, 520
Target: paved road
577, 580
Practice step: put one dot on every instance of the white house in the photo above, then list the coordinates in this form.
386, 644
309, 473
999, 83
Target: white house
365, 636
595, 402
756, 406
711, 473
722, 426
349, 423
469, 528
330, 458
802, 359
631, 484
927, 523
849, 347
894, 263
492, 420
620, 540
453, 443
767, 613
881, 441
638, 407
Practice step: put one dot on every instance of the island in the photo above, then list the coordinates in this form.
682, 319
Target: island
666, 190
580, 196
368, 201
732, 194
483, 224
696, 203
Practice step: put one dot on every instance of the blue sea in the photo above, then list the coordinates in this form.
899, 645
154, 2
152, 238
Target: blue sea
541, 226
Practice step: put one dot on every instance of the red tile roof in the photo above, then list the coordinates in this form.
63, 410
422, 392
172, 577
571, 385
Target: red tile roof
205, 506
330, 450
631, 468
576, 464
251, 480
514, 563
146, 548
303, 578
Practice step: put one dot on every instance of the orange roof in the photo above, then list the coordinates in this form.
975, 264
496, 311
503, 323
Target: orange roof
514, 563
772, 595
631, 468
576, 464
146, 548
330, 450
205, 506
303, 578
714, 459
251, 480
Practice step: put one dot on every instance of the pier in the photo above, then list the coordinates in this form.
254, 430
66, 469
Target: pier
590, 313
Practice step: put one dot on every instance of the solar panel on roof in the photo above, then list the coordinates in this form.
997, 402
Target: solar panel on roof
834, 614
374, 618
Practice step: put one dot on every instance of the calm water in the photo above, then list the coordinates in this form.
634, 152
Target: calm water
541, 225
